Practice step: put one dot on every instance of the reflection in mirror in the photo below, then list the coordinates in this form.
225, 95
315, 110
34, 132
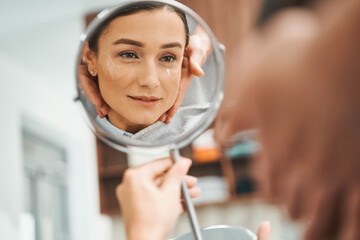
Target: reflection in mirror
148, 74
137, 57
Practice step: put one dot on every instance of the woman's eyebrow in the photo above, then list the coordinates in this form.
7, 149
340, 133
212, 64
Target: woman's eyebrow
171, 45
128, 41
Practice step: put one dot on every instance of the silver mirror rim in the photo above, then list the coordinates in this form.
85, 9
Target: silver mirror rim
202, 125
226, 227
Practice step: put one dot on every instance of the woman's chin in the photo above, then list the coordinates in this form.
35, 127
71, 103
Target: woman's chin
146, 122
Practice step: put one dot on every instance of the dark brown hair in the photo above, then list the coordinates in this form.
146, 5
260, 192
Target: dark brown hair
132, 9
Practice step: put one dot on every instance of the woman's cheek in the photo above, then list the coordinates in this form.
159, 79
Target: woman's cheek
173, 81
115, 70
114, 78
113, 81
174, 75
172, 84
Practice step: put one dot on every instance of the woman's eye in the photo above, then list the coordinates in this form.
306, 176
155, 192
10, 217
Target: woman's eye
128, 55
168, 58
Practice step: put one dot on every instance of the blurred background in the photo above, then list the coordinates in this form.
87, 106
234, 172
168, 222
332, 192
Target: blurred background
57, 180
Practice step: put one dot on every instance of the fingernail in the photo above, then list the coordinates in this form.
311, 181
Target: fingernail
201, 71
266, 230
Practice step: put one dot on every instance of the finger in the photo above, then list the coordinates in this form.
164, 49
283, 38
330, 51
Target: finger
89, 86
172, 111
155, 168
194, 192
176, 174
184, 85
196, 69
196, 60
185, 63
170, 114
168, 118
163, 117
91, 90
191, 181
99, 113
264, 231
104, 108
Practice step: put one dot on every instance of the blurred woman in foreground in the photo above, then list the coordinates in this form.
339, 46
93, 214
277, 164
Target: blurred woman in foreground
297, 81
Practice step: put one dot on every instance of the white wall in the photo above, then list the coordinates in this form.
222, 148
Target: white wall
38, 45
57, 117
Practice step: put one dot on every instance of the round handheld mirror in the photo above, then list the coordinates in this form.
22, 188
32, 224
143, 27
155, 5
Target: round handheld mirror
137, 58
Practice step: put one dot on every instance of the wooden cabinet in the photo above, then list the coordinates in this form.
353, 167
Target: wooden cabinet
112, 165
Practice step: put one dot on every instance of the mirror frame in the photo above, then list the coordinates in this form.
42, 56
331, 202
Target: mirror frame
184, 139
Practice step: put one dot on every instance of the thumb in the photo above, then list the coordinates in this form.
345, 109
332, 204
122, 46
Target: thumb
264, 231
176, 174
196, 69
195, 61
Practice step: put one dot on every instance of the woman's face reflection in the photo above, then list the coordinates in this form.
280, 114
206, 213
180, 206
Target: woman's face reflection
138, 64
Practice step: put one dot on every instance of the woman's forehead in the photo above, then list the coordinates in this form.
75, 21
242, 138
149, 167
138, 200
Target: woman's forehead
160, 25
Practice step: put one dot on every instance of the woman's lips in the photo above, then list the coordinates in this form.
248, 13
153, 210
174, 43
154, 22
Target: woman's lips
146, 101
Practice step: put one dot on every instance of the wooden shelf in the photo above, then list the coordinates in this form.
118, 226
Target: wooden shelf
110, 172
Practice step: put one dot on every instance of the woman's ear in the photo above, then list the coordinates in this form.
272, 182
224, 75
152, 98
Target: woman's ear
90, 59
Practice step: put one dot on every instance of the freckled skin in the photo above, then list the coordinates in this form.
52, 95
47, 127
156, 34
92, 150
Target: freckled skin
150, 70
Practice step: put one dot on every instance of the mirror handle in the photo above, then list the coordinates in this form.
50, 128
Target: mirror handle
175, 155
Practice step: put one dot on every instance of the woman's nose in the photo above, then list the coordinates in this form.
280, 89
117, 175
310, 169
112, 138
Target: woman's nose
149, 77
